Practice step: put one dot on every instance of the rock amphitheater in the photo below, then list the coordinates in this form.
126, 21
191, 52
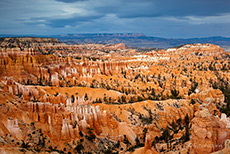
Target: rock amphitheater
109, 98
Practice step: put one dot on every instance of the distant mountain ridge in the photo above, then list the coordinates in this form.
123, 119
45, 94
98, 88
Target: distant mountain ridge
133, 39
141, 40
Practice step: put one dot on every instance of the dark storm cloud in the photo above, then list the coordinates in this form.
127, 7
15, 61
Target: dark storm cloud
168, 18
147, 8
72, 21
70, 1
153, 8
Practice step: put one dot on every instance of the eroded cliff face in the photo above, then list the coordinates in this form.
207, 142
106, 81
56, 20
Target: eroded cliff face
208, 132
51, 70
109, 98
70, 119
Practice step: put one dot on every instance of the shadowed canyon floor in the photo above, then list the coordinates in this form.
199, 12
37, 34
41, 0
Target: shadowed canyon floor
108, 98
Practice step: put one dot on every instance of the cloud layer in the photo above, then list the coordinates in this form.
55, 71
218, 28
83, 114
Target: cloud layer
165, 18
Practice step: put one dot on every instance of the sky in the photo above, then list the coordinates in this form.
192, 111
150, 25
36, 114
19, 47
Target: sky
159, 18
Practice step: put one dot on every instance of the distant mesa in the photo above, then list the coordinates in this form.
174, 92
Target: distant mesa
136, 40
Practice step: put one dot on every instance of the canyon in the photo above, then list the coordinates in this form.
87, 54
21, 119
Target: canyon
110, 98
